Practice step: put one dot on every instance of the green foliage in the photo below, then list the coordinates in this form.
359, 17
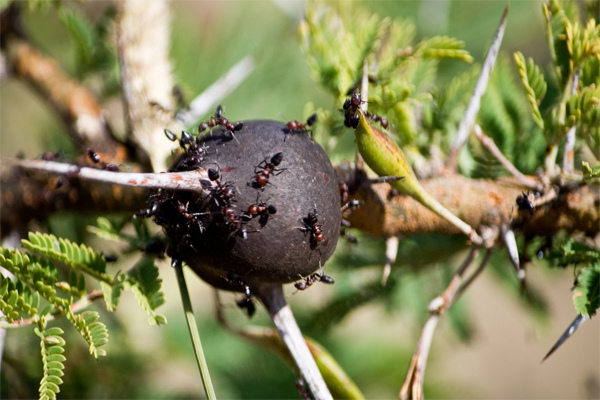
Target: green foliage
38, 292
337, 46
52, 345
591, 175
534, 84
568, 251
94, 332
79, 257
144, 282
93, 49
587, 293
83, 35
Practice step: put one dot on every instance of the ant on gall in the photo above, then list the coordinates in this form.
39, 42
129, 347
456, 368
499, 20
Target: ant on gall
265, 169
218, 119
311, 226
311, 279
298, 127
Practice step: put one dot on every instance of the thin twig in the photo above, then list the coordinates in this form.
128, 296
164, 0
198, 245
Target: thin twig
473, 108
187, 180
489, 144
391, 252
475, 274
568, 164
443, 301
219, 90
195, 336
413, 384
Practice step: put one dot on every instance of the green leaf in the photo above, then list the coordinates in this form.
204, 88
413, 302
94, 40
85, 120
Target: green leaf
587, 293
534, 84
144, 281
590, 175
51, 344
443, 47
79, 257
83, 34
112, 293
94, 332
568, 252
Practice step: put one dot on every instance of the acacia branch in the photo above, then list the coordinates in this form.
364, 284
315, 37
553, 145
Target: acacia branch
78, 108
479, 202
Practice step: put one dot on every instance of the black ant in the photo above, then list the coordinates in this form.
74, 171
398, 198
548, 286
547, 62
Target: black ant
72, 173
295, 126
95, 158
195, 151
524, 203
311, 279
310, 225
223, 193
245, 302
265, 169
351, 117
350, 108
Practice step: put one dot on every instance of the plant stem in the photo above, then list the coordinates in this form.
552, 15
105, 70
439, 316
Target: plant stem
281, 314
191, 321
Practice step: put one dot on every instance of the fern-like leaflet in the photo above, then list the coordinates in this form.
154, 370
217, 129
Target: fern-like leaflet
52, 347
79, 257
94, 332
143, 280
534, 84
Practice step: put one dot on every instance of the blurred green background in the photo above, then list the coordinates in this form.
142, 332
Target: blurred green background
490, 347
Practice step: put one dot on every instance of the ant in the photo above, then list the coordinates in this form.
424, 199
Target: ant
295, 126
219, 120
72, 173
195, 151
265, 169
378, 118
524, 203
311, 279
310, 225
351, 117
95, 158
223, 193
262, 210
350, 109
245, 302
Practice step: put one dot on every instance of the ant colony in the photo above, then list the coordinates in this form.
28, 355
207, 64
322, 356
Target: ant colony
269, 212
